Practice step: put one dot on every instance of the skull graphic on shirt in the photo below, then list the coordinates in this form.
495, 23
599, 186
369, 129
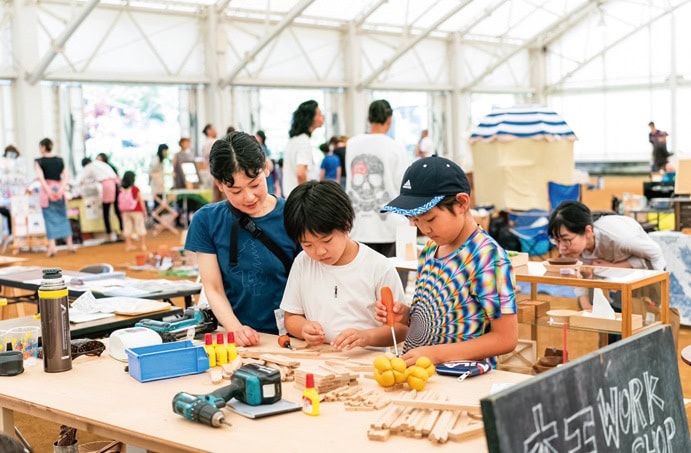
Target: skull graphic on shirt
368, 192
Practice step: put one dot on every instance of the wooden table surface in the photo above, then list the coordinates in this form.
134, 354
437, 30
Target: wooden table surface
98, 396
7, 260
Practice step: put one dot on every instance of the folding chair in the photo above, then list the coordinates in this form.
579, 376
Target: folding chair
559, 192
526, 218
534, 239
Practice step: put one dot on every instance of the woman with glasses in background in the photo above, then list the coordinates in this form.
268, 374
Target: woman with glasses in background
607, 240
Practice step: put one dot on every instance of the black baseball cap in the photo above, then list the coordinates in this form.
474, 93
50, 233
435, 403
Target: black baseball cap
425, 183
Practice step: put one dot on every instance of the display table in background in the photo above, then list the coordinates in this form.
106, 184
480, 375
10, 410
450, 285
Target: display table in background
676, 248
89, 212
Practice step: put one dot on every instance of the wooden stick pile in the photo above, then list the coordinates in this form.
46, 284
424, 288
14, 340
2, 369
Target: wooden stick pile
354, 398
427, 414
284, 364
326, 377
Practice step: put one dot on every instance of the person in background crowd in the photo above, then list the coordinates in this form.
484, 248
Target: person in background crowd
331, 165
211, 135
298, 161
339, 148
12, 154
183, 156
376, 164
424, 147
53, 177
610, 241
104, 158
658, 139
102, 173
230, 129
243, 279
132, 207
157, 174
464, 305
272, 179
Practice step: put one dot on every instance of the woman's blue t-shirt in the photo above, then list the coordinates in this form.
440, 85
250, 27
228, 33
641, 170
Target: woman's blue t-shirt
255, 285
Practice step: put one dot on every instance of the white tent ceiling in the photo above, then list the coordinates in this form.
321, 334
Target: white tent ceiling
534, 51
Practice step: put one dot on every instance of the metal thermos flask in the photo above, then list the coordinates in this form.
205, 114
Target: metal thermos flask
55, 322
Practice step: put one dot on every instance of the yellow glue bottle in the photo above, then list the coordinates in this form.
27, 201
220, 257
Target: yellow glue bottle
230, 347
221, 353
209, 348
310, 397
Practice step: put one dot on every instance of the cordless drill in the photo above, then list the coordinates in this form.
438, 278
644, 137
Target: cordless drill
252, 384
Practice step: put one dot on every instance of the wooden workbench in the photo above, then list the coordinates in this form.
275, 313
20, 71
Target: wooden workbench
98, 396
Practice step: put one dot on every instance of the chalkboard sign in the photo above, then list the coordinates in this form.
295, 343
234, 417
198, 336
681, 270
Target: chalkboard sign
624, 397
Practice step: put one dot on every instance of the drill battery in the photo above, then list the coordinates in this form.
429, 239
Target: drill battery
256, 384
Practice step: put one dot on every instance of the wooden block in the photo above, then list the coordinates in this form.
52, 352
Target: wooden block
526, 313
441, 405
279, 360
587, 322
541, 307
381, 435
466, 427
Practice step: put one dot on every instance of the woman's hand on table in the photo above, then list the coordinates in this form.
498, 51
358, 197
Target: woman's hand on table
246, 336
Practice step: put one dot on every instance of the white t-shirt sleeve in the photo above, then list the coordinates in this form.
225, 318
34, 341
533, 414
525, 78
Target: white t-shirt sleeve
304, 154
292, 301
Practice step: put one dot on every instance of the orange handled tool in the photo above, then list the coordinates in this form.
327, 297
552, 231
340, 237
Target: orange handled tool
284, 341
387, 300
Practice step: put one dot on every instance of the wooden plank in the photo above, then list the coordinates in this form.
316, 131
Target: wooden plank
441, 405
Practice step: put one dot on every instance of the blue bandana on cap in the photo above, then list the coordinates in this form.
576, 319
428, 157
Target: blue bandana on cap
425, 183
416, 211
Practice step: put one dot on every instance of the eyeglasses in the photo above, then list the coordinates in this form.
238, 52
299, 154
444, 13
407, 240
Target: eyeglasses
566, 242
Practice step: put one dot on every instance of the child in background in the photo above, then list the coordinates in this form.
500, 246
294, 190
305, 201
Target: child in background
335, 281
331, 165
132, 207
464, 306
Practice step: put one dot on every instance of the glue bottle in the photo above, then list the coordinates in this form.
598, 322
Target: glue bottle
55, 322
221, 352
310, 397
209, 348
230, 347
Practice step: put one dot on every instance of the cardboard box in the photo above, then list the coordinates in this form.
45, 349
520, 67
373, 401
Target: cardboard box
533, 309
526, 313
612, 325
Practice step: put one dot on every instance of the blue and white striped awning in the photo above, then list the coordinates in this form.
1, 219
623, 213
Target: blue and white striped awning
532, 122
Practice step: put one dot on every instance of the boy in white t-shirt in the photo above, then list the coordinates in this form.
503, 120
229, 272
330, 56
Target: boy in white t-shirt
334, 282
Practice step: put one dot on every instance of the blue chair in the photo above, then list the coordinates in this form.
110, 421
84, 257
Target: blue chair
559, 192
534, 240
526, 218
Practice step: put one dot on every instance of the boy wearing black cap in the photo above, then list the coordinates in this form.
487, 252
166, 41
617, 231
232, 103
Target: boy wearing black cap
464, 307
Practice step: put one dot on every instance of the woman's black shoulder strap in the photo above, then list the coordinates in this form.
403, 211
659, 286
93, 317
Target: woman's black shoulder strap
247, 224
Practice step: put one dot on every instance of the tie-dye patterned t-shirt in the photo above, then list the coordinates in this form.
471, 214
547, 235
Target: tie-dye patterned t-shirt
457, 296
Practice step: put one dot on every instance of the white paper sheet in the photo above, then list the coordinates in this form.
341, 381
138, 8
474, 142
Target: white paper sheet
601, 307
